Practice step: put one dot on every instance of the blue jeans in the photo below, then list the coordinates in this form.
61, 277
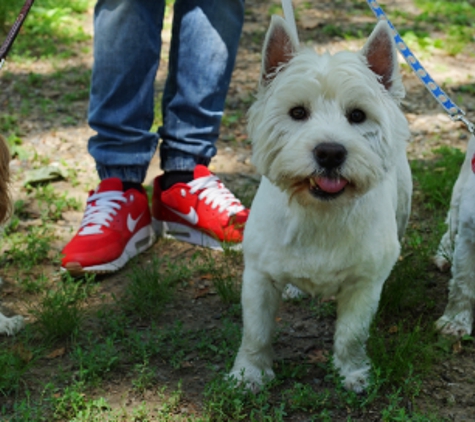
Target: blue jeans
127, 45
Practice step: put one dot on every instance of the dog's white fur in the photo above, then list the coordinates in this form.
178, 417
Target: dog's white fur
457, 249
345, 246
8, 326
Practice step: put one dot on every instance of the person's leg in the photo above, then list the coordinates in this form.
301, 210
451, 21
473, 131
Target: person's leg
205, 40
117, 222
189, 202
127, 43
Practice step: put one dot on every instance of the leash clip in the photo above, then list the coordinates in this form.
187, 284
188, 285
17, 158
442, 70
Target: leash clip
461, 118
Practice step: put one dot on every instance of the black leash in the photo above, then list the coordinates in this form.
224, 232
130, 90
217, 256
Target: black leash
5, 48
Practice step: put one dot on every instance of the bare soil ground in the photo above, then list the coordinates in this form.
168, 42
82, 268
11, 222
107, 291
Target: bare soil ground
61, 137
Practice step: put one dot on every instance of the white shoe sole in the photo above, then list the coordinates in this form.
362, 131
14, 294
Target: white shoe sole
139, 242
188, 234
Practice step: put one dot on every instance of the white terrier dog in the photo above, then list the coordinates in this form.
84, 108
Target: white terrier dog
334, 200
458, 247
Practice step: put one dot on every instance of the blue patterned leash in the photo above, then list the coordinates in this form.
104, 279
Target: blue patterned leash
455, 113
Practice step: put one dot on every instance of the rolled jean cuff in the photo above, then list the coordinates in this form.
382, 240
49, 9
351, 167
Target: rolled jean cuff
125, 173
177, 162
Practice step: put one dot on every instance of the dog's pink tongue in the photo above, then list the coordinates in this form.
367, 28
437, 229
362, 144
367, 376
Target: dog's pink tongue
331, 185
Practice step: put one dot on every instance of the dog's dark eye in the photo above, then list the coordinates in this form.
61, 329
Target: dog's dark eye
298, 113
356, 116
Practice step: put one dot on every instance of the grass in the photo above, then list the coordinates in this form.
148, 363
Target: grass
403, 345
152, 286
27, 247
129, 337
442, 25
453, 22
59, 313
7, 9
50, 28
96, 360
435, 180
225, 401
222, 274
13, 365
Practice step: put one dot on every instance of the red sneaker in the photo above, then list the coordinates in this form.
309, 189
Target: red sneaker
202, 212
116, 226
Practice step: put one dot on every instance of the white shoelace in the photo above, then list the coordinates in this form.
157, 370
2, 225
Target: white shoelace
216, 194
101, 212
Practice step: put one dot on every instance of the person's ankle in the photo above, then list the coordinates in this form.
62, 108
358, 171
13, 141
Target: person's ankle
170, 178
126, 185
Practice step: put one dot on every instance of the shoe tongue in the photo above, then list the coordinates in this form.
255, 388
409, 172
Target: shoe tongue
110, 184
331, 185
201, 171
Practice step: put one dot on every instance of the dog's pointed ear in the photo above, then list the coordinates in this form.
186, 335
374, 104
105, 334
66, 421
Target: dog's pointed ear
279, 47
381, 56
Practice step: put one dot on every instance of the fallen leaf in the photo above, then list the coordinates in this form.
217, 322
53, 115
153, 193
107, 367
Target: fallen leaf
318, 356
328, 299
45, 174
457, 347
56, 353
201, 292
6, 292
24, 354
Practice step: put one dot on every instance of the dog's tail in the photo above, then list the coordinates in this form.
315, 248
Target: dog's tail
290, 17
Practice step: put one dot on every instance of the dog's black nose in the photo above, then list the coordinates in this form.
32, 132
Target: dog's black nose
330, 154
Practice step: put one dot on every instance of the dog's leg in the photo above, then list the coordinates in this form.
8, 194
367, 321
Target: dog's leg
357, 305
260, 299
404, 194
458, 316
10, 326
444, 255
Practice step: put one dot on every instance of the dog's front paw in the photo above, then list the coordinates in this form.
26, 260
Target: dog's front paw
252, 377
458, 326
356, 380
355, 377
292, 292
442, 263
11, 326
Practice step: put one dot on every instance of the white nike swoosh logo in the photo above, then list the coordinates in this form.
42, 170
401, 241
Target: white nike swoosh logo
131, 223
191, 217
